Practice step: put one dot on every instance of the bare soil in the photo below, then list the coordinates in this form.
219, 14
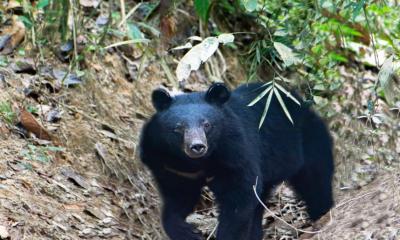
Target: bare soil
93, 186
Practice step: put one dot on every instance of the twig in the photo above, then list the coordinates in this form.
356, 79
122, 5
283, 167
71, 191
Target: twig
212, 232
123, 11
168, 73
277, 217
74, 34
353, 199
127, 42
74, 109
132, 11
105, 30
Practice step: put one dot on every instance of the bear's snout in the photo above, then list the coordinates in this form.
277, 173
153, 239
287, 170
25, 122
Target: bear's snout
198, 148
195, 145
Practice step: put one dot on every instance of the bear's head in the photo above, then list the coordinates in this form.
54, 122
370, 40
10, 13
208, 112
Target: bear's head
191, 124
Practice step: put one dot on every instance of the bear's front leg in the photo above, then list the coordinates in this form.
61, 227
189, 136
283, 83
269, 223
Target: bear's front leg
238, 207
235, 224
179, 200
174, 214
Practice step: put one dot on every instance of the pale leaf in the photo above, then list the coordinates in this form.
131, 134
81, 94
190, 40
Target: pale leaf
226, 38
288, 94
250, 5
286, 54
195, 56
186, 46
265, 109
278, 96
195, 38
260, 96
208, 47
385, 78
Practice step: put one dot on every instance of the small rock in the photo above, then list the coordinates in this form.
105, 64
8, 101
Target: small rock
364, 225
382, 196
107, 221
102, 20
106, 231
87, 232
4, 233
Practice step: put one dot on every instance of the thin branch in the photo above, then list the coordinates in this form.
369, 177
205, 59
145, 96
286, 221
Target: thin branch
277, 217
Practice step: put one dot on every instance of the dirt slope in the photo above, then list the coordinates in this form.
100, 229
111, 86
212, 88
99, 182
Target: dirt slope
93, 186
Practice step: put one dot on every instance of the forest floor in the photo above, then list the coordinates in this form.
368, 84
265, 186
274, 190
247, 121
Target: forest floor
85, 180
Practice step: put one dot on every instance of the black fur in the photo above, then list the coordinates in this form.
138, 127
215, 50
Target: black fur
238, 153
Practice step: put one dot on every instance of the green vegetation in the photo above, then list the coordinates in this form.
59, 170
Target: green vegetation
301, 43
310, 40
42, 154
6, 112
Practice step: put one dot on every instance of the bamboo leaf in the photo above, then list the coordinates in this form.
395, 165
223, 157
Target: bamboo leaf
278, 96
265, 109
261, 95
288, 94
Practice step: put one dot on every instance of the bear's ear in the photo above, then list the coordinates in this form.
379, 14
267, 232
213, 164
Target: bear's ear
161, 99
218, 93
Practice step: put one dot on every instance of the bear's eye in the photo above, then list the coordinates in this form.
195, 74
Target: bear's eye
207, 125
178, 128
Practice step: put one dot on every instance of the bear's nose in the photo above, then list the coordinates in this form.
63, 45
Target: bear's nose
198, 148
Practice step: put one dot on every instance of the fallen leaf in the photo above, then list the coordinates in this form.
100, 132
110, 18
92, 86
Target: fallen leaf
66, 79
12, 36
75, 177
95, 212
30, 124
24, 65
168, 29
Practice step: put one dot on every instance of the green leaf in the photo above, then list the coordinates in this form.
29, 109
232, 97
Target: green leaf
42, 4
357, 7
3, 60
265, 109
260, 96
278, 96
27, 22
337, 57
201, 7
348, 31
250, 5
286, 53
134, 32
55, 149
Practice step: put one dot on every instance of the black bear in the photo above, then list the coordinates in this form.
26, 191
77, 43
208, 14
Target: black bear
213, 138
